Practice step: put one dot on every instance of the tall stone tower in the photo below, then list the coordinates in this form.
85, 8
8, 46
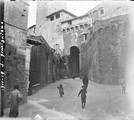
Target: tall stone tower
46, 8
48, 21
15, 18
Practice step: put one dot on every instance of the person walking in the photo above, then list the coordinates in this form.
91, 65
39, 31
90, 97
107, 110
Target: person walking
61, 90
73, 76
83, 92
85, 81
14, 99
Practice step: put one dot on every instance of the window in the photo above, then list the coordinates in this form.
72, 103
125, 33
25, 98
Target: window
57, 16
81, 27
68, 29
72, 28
102, 11
57, 46
64, 31
52, 18
70, 22
86, 25
85, 36
76, 27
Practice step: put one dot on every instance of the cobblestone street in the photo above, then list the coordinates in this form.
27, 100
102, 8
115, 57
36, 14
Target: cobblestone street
103, 102
46, 45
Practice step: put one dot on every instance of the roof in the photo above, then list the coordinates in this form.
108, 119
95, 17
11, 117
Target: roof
34, 40
62, 10
75, 18
38, 40
96, 7
32, 26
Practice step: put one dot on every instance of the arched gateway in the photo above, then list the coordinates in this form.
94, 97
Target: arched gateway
74, 61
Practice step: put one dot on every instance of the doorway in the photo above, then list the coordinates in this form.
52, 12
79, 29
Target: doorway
74, 64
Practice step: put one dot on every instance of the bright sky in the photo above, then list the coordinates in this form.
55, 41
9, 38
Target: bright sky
76, 7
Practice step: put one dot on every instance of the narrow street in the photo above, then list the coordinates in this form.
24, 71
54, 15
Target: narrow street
103, 102
44, 41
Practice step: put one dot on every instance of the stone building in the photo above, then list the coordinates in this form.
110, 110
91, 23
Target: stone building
75, 33
45, 64
15, 17
110, 36
102, 46
86, 49
49, 16
107, 47
106, 10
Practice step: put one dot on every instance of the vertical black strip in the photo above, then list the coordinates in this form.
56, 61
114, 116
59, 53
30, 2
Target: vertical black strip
2, 54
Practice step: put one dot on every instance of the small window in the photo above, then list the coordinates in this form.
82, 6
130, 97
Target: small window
81, 27
86, 25
57, 16
70, 22
85, 36
72, 28
52, 18
64, 31
68, 29
102, 11
76, 27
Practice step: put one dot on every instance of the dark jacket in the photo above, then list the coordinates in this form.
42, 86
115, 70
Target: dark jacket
85, 81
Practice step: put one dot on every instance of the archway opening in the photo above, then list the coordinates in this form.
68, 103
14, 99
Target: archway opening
74, 63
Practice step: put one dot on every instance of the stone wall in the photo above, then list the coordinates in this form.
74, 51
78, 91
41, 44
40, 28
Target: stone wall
92, 56
15, 17
73, 38
107, 50
44, 66
15, 69
76, 38
109, 9
50, 30
112, 48
83, 60
16, 13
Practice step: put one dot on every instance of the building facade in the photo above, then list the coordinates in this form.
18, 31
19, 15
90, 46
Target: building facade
49, 16
101, 45
75, 33
90, 41
107, 48
45, 64
15, 17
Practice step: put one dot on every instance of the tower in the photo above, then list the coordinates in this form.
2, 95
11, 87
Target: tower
48, 21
